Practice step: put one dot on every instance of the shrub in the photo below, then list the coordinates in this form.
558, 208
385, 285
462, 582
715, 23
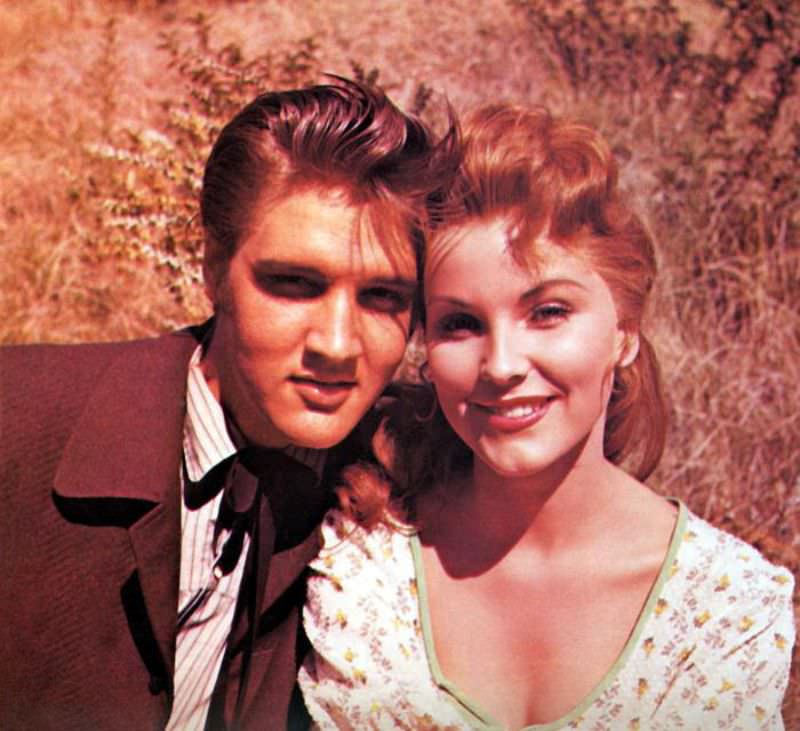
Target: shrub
147, 203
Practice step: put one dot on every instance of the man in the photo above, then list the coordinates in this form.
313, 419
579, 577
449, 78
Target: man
145, 584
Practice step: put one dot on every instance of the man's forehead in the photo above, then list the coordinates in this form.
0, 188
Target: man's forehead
326, 228
387, 238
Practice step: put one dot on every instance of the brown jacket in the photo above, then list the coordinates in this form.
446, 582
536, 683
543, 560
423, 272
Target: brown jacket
90, 448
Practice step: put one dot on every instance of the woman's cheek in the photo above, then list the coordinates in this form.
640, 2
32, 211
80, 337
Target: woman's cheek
454, 367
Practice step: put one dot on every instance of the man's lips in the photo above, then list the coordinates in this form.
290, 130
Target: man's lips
323, 393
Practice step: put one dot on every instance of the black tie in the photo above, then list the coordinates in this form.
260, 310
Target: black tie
277, 500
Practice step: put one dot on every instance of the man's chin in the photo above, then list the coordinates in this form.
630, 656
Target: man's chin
319, 433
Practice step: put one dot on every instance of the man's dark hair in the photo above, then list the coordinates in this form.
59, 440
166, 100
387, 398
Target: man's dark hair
347, 138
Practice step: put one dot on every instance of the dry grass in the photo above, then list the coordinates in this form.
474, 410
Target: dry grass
703, 116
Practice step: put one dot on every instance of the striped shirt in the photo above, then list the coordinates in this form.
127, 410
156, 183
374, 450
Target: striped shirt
202, 639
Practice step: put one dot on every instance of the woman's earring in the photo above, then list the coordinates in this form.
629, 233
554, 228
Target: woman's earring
425, 377
424, 372
431, 412
618, 385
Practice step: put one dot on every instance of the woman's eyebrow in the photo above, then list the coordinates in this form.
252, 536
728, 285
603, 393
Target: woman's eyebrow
531, 293
445, 299
552, 283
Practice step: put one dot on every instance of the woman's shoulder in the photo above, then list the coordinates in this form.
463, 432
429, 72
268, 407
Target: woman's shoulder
369, 666
358, 558
362, 619
717, 641
709, 552
726, 594
341, 532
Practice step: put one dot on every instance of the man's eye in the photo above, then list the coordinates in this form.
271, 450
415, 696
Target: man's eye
291, 286
549, 314
385, 299
458, 325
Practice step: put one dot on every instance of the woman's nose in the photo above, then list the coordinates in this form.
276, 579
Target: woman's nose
503, 361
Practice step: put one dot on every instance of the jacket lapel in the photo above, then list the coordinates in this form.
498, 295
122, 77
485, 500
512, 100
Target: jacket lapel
124, 454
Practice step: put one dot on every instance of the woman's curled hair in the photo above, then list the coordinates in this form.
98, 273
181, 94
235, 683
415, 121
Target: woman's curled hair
553, 179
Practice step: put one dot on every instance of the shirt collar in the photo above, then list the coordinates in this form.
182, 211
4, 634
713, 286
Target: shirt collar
206, 441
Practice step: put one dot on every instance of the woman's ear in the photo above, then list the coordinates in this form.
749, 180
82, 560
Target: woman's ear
628, 348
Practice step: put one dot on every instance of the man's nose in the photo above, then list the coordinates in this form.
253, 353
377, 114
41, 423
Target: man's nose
336, 331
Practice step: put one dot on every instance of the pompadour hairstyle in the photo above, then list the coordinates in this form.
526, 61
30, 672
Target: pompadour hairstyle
345, 137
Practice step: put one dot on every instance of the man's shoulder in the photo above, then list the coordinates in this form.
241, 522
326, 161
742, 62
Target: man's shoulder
43, 386
22, 364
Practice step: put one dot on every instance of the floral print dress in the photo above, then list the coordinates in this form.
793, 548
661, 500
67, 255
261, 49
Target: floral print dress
711, 649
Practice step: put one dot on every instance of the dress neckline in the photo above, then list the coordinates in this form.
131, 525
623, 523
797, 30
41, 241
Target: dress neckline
473, 711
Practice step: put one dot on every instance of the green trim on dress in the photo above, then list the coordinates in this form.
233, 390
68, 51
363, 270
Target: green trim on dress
472, 712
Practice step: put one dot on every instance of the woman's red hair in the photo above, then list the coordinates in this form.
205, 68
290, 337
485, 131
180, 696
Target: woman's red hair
552, 179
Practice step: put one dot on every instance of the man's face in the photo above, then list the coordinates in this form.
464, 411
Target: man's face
312, 320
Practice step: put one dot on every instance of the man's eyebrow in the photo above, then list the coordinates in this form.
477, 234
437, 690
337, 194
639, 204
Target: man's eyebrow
275, 266
401, 282
281, 266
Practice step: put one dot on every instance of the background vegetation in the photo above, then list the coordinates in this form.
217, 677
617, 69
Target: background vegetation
110, 107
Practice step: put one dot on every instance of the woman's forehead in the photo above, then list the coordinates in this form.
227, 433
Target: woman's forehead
531, 249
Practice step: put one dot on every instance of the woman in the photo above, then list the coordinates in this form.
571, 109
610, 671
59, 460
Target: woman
520, 577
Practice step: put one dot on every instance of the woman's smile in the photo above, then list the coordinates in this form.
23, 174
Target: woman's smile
512, 415
521, 359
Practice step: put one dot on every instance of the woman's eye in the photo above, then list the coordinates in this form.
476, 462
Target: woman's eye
293, 286
386, 299
458, 325
549, 314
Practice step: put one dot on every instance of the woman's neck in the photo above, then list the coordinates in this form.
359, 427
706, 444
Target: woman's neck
481, 518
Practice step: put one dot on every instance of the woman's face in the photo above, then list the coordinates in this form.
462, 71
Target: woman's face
522, 362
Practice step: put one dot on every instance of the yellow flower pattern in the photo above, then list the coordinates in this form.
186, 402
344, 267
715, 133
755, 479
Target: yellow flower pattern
711, 649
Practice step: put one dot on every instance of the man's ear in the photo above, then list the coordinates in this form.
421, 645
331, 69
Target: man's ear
628, 347
209, 281
215, 270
